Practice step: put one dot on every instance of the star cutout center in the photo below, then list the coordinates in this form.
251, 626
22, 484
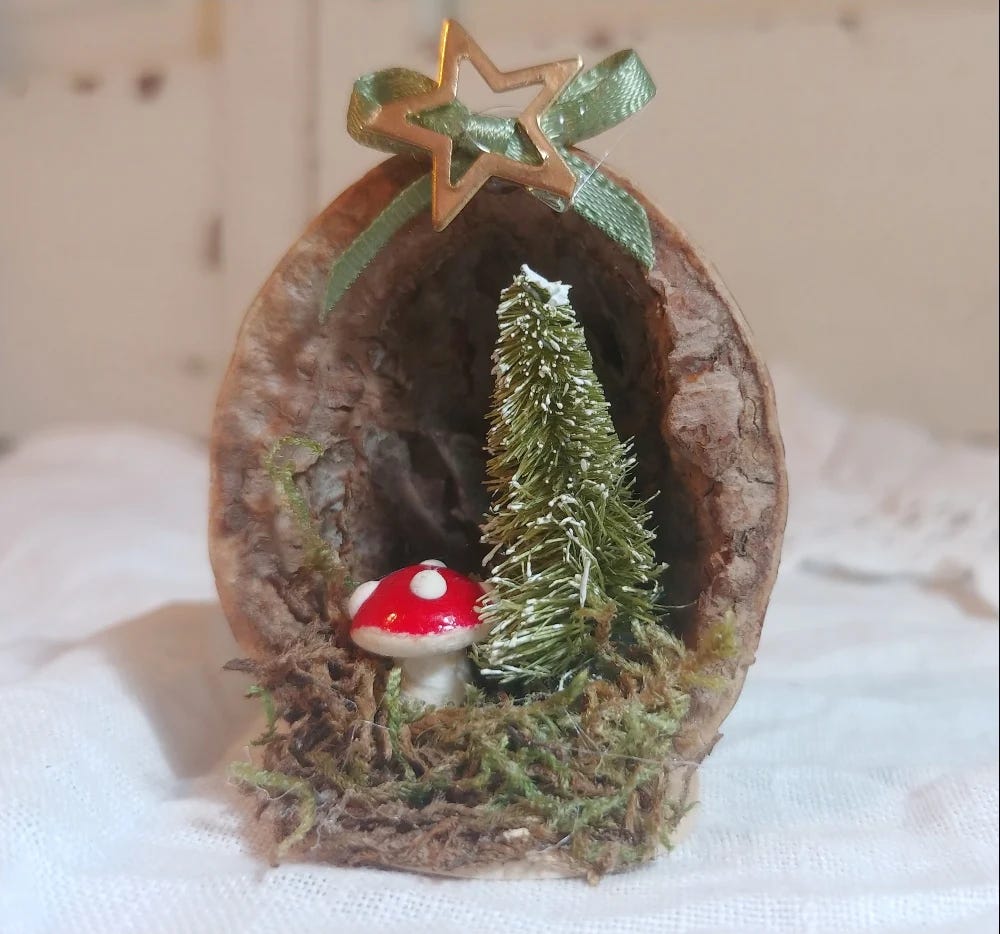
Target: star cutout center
552, 174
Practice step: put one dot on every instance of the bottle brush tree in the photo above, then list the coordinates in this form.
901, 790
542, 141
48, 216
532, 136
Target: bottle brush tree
572, 559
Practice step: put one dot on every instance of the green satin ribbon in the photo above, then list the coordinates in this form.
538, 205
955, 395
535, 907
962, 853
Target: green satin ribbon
593, 102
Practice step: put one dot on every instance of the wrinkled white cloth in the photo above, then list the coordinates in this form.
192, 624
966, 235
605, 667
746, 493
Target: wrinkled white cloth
855, 788
877, 497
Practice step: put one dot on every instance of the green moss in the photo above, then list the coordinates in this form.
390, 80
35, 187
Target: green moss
277, 783
318, 555
270, 714
584, 770
719, 643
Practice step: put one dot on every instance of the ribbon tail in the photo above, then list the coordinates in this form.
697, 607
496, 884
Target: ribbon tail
613, 210
414, 199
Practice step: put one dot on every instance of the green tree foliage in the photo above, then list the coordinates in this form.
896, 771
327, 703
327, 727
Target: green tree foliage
572, 559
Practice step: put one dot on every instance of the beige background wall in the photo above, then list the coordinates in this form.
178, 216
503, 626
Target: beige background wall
836, 160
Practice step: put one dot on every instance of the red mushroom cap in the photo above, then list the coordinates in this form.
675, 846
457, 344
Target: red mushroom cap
424, 609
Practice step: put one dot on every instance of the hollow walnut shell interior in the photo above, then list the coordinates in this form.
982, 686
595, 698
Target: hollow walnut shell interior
395, 385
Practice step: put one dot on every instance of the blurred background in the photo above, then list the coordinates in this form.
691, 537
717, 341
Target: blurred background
836, 160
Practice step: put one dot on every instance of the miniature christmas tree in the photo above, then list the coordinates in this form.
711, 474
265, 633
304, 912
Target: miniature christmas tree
572, 558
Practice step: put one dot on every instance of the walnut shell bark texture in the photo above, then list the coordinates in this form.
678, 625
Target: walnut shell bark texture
393, 389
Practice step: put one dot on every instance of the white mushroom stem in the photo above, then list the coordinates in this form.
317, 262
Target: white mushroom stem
435, 679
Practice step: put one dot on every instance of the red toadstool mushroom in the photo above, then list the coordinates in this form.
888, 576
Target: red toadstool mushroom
424, 617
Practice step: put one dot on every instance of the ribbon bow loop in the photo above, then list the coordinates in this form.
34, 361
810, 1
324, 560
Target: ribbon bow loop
599, 99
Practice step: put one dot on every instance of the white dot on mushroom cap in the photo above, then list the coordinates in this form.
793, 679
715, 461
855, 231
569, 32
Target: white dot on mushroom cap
433, 563
428, 585
359, 596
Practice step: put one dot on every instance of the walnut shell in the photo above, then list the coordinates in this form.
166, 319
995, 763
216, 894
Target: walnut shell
395, 385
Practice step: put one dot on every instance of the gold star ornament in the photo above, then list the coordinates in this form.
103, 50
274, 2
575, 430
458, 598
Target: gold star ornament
551, 175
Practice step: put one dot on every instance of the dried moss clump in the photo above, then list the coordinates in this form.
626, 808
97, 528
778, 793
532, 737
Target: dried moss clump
356, 774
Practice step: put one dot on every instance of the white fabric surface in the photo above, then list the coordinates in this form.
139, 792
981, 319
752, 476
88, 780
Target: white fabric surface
855, 789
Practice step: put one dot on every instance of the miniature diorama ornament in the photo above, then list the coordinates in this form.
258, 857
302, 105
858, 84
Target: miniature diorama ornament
494, 352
